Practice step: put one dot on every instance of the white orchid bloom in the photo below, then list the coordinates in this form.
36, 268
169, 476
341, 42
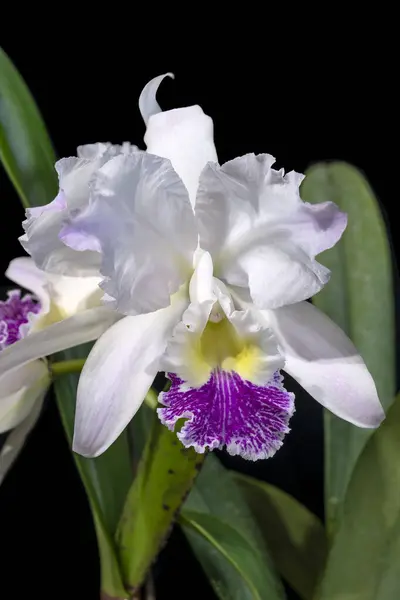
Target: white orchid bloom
62, 312
24, 376
66, 282
22, 388
212, 266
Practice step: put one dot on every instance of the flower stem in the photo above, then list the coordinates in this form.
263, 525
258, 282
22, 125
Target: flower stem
67, 366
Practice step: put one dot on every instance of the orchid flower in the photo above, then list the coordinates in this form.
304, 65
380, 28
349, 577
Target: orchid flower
26, 386
64, 280
22, 390
60, 313
67, 310
212, 266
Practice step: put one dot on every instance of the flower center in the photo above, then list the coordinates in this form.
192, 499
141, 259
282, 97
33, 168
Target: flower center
54, 315
14, 315
220, 347
220, 343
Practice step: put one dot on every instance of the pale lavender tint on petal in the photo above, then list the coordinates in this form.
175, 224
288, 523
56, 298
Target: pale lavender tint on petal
141, 218
78, 239
14, 312
249, 420
263, 238
57, 205
330, 223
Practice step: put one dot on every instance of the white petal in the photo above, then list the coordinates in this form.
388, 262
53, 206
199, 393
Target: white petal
260, 233
44, 223
118, 374
20, 389
17, 438
145, 224
186, 137
201, 283
326, 364
181, 355
275, 275
101, 150
25, 273
41, 241
148, 104
75, 174
74, 294
92, 151
78, 329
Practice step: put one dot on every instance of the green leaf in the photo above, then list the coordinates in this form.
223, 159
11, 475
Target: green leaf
215, 492
139, 431
226, 580
25, 148
216, 495
364, 562
235, 548
360, 299
295, 536
165, 474
106, 479
28, 157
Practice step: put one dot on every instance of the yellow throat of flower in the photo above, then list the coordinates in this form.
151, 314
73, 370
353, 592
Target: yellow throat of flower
54, 315
221, 347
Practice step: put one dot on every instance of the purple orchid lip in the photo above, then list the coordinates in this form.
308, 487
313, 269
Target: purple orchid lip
248, 419
15, 312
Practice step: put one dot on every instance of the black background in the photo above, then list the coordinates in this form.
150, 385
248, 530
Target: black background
301, 103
